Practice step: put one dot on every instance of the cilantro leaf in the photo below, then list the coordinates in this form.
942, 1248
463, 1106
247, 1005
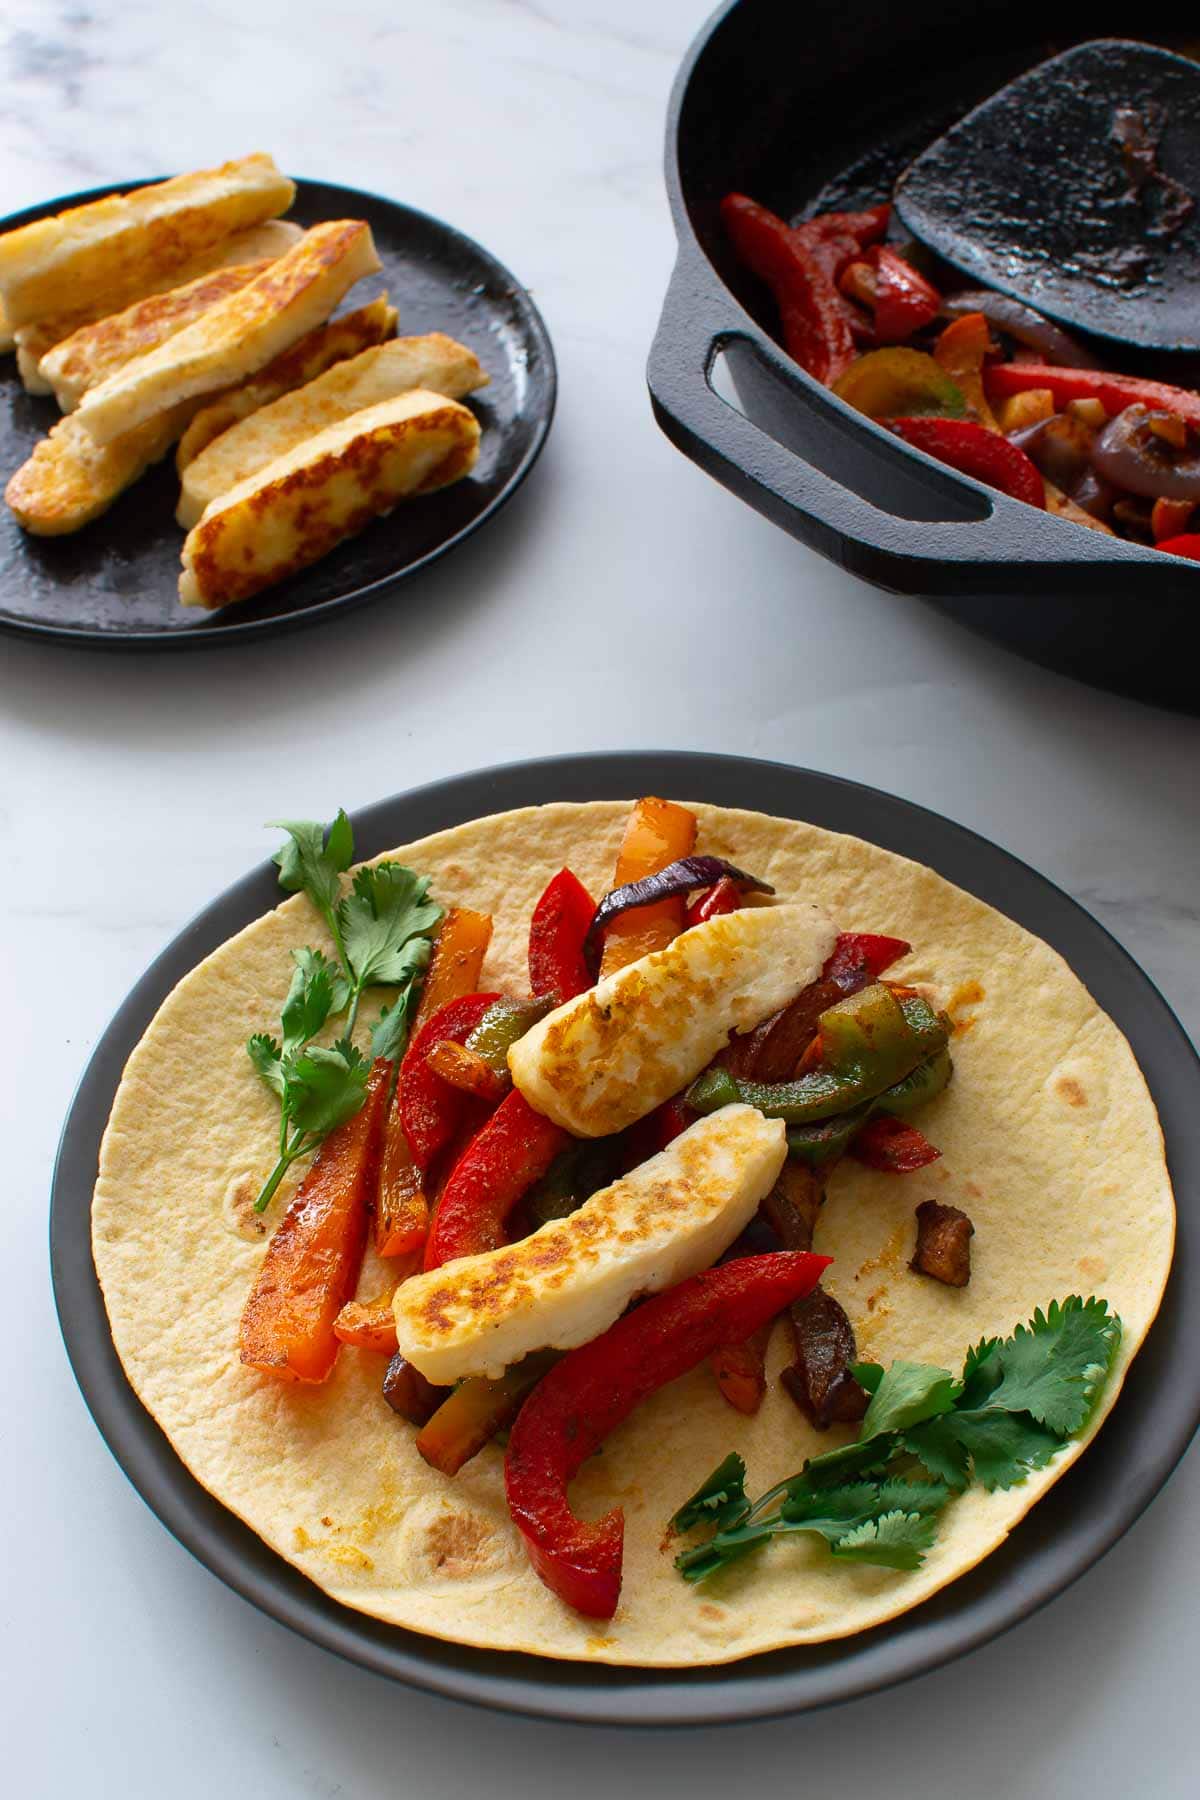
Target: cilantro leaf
980, 1372
941, 1450
897, 1540
908, 1393
265, 1053
834, 1511
323, 1088
310, 999
389, 1034
1019, 1399
717, 1501
314, 858
1003, 1446
868, 1374
385, 923
1053, 1366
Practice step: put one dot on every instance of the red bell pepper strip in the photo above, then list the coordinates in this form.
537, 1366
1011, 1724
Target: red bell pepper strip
586, 1396
904, 300
312, 1263
975, 451
1188, 545
556, 933
892, 1145
1114, 392
800, 268
864, 227
725, 897
500, 1164
860, 958
430, 1108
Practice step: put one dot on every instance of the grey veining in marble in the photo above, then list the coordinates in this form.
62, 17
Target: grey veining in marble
622, 600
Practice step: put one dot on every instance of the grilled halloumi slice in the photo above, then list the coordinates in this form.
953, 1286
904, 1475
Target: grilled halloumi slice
609, 1057
433, 362
70, 479
292, 512
302, 362
97, 351
571, 1280
240, 334
258, 243
102, 252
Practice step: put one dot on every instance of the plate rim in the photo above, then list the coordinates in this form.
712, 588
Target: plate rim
93, 638
973, 1610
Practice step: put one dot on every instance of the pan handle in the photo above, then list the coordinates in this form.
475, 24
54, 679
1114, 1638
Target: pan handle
913, 554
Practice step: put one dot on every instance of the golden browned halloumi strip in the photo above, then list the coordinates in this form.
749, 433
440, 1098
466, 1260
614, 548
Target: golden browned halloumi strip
258, 243
295, 510
102, 252
303, 361
96, 351
70, 479
239, 335
434, 362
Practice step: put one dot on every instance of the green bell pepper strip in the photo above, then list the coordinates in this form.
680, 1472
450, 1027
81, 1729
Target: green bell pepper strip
500, 1027
870, 1042
822, 1143
925, 1083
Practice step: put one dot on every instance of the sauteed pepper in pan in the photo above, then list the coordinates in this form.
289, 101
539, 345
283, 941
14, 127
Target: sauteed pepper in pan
959, 374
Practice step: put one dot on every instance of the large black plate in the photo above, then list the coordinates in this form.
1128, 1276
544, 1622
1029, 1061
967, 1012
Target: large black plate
113, 585
1070, 1529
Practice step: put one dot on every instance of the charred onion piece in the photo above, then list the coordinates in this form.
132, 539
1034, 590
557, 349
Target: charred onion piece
943, 1249
819, 1380
1132, 455
793, 1204
1020, 322
407, 1392
677, 878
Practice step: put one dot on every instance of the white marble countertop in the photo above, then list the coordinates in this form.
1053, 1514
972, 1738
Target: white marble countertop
134, 789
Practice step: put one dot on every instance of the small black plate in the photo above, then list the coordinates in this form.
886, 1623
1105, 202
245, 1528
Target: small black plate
114, 584
1081, 1517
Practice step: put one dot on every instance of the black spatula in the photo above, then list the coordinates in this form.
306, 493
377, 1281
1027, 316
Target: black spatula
1077, 189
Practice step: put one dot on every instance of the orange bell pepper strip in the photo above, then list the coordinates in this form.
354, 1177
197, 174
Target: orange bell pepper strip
741, 1370
368, 1325
658, 833
401, 1202
467, 1071
371, 1324
458, 954
312, 1262
962, 349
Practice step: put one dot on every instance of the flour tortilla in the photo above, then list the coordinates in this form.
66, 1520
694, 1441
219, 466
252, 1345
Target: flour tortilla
1050, 1142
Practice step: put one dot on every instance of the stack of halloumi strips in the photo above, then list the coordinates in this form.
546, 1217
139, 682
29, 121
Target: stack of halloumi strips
296, 430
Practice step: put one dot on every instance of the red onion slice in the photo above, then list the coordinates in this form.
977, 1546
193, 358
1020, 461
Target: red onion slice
677, 878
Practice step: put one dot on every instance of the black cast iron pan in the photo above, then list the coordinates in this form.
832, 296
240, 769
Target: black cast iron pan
1082, 1516
824, 105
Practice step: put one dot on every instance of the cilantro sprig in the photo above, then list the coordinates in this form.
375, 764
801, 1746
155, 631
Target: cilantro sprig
926, 1435
381, 932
